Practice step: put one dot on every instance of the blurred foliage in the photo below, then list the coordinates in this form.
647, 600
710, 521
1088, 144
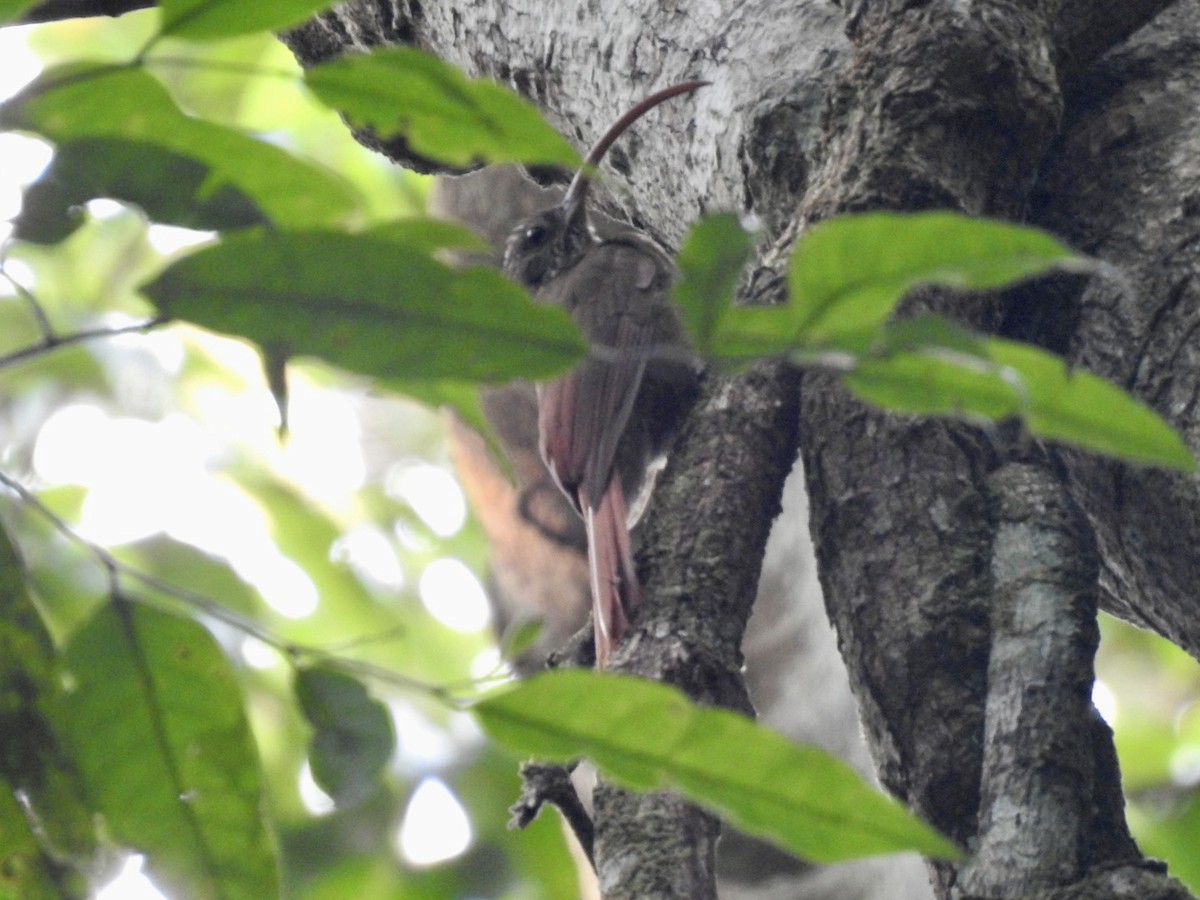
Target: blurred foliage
1154, 689
256, 526
251, 616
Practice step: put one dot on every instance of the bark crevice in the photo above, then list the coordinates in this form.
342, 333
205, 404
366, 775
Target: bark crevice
936, 104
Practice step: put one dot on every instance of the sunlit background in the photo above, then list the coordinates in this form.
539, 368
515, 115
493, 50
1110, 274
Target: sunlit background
165, 448
351, 533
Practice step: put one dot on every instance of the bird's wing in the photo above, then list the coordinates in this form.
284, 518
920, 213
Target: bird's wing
583, 415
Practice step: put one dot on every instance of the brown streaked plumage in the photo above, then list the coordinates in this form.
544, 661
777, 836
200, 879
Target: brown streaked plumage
604, 425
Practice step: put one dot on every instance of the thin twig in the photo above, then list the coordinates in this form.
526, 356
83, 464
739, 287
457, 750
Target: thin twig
544, 783
295, 652
52, 341
39, 313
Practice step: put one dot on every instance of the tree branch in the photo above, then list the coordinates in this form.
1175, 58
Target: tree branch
53, 341
1110, 187
944, 104
57, 10
1039, 798
950, 105
700, 579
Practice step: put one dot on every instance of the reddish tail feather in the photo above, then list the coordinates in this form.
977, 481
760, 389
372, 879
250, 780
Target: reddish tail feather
614, 582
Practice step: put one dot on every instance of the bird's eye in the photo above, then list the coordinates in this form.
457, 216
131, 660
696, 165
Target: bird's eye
535, 236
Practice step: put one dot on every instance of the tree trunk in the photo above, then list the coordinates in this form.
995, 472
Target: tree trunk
961, 567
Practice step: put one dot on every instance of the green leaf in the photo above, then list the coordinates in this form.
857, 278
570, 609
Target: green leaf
1168, 829
400, 91
848, 274
520, 637
353, 737
749, 332
53, 822
710, 262
206, 19
88, 101
169, 187
368, 305
158, 727
932, 382
1083, 409
11, 10
428, 235
647, 735
992, 378
462, 399
274, 362
25, 873
925, 333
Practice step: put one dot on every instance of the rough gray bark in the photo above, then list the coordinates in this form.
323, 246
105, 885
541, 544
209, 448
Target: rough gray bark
796, 678
942, 103
944, 107
968, 130
800, 687
1122, 183
1041, 789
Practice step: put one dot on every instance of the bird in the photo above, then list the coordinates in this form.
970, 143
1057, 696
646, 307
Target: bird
605, 426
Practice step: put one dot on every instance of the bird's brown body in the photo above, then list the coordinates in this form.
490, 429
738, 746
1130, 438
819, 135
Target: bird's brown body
605, 424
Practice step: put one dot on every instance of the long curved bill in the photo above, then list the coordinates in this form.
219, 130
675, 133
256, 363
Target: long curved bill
573, 202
